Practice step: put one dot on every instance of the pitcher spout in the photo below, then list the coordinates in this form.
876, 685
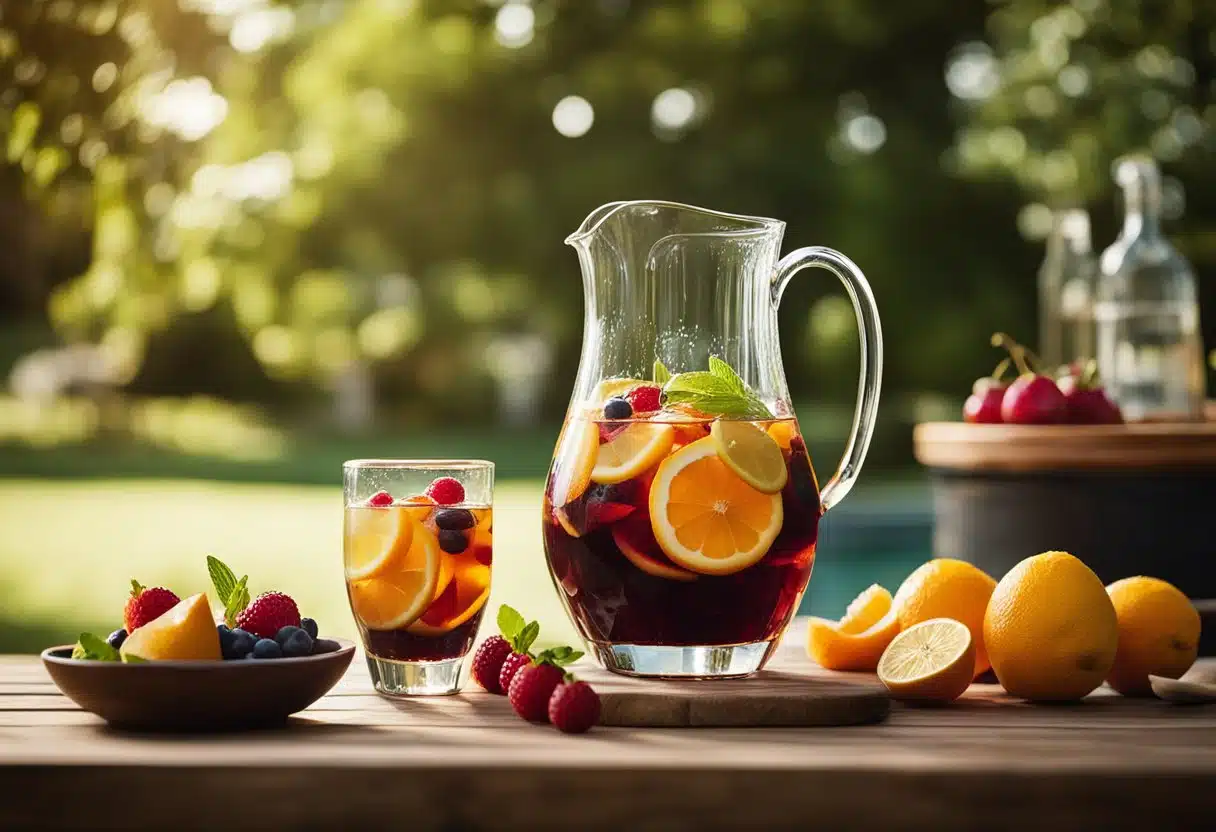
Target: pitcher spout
666, 218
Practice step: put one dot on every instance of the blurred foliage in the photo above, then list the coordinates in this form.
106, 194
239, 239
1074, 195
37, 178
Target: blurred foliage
283, 195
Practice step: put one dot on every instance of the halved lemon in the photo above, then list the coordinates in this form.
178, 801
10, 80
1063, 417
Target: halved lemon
932, 661
751, 453
705, 517
377, 540
856, 641
396, 599
632, 451
577, 449
464, 596
636, 542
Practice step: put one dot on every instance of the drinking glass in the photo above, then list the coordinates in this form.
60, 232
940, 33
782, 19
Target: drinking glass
417, 551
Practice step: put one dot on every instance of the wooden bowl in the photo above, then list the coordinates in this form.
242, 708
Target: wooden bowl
196, 695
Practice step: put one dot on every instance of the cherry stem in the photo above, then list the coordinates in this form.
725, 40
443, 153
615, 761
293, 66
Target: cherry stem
1016, 351
999, 372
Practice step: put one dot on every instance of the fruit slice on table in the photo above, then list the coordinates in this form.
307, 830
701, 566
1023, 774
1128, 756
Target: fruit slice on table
751, 453
579, 445
705, 517
398, 598
185, 632
636, 542
930, 662
464, 596
856, 641
636, 448
377, 540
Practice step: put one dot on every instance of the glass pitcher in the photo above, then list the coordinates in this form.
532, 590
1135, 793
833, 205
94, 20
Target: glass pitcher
681, 510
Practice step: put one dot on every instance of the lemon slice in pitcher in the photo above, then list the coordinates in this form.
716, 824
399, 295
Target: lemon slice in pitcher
632, 451
751, 453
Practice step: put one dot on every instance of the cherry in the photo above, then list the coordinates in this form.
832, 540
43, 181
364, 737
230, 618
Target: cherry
1087, 400
1033, 398
983, 406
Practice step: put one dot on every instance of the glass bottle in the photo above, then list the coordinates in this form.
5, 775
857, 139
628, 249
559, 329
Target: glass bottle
1067, 281
1150, 351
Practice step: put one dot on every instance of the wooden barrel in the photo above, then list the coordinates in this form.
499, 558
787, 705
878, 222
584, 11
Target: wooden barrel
1127, 499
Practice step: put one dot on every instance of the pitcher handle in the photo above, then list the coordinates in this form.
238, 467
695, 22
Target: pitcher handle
870, 383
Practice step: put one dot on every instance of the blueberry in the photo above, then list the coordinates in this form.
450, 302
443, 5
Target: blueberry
453, 542
267, 648
325, 645
297, 644
455, 519
617, 408
241, 643
285, 633
309, 626
116, 638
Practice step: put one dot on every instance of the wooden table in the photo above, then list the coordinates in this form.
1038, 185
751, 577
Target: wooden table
355, 759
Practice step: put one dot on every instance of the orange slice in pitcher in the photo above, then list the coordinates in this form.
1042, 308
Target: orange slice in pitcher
705, 517
377, 540
632, 451
751, 453
636, 542
577, 449
394, 600
464, 596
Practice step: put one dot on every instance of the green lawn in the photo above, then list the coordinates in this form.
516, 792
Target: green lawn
68, 551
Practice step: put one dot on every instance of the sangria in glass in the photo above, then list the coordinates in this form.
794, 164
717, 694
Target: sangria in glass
418, 547
682, 511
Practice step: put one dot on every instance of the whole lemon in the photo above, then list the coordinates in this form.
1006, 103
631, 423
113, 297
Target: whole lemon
1158, 633
1050, 629
947, 588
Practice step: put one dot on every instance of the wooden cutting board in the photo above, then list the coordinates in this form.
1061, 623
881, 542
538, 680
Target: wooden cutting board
768, 698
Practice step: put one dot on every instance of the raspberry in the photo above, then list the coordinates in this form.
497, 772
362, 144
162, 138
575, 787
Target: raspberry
531, 688
380, 499
644, 398
269, 613
511, 665
487, 663
446, 491
574, 707
145, 605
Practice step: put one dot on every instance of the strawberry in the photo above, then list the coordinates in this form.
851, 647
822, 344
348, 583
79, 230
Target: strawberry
146, 604
446, 491
644, 398
574, 707
488, 661
510, 666
269, 613
531, 688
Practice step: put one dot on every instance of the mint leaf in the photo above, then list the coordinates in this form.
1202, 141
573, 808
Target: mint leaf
222, 579
719, 392
523, 642
560, 656
238, 599
720, 369
136, 588
510, 622
94, 648
661, 373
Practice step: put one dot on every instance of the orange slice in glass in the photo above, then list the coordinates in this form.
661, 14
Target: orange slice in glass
377, 540
464, 596
630, 452
577, 449
705, 517
396, 599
